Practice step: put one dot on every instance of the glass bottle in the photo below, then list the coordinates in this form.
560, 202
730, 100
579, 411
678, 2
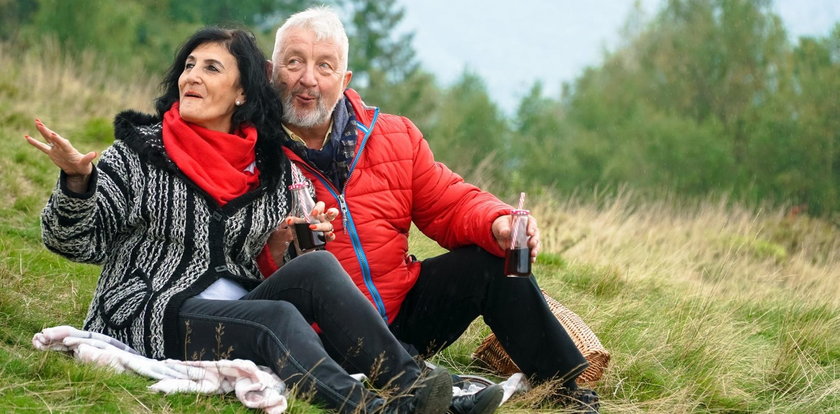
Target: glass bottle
518, 255
306, 239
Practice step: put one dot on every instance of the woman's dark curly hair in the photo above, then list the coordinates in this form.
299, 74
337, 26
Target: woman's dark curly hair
261, 108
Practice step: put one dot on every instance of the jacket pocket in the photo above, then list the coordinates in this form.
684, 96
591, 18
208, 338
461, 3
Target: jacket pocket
124, 301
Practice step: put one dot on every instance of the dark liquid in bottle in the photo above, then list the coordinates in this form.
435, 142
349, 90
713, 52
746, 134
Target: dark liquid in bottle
307, 239
518, 262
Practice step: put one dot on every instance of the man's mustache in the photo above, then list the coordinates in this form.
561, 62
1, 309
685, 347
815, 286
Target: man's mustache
314, 93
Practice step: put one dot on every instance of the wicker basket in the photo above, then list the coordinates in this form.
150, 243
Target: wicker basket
491, 353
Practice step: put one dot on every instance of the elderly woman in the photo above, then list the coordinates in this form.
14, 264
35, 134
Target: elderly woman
177, 210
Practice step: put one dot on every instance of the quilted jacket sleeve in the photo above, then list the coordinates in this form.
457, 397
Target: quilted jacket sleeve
445, 208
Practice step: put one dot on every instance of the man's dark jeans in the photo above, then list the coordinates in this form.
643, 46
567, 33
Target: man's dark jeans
456, 287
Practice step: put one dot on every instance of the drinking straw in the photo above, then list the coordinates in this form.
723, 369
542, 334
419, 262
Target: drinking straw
513, 234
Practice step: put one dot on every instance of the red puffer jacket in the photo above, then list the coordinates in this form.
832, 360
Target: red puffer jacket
393, 181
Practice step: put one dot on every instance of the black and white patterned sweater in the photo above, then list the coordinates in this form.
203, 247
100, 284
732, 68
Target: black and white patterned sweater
159, 237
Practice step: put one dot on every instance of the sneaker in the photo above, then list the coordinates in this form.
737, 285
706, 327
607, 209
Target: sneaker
432, 395
580, 400
485, 401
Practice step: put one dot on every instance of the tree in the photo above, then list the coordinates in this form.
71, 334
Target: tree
417, 97
377, 51
263, 15
468, 129
716, 58
817, 76
15, 13
709, 97
542, 144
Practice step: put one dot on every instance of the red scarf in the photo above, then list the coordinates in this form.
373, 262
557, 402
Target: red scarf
221, 164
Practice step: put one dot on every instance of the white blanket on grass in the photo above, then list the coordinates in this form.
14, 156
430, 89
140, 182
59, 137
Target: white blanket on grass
255, 386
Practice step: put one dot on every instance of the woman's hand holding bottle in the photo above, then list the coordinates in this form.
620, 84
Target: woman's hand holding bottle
311, 222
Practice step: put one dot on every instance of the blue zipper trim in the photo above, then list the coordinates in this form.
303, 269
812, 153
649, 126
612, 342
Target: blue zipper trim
354, 235
350, 227
367, 130
364, 127
363, 263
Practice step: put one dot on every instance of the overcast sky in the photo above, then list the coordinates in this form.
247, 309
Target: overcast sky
550, 40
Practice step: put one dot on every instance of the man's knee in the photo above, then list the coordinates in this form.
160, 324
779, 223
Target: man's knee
480, 263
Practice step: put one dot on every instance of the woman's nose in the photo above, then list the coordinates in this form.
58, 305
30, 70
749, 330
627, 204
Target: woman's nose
192, 77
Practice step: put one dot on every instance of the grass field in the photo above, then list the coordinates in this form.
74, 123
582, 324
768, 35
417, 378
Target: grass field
706, 306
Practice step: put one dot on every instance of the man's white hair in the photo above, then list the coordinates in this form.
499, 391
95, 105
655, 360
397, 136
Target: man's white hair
326, 25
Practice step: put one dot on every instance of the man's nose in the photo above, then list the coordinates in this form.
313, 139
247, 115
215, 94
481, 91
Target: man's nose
307, 78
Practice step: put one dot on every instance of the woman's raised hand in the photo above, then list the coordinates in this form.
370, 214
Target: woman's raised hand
76, 165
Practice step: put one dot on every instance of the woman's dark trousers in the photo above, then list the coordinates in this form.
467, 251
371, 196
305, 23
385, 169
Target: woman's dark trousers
272, 326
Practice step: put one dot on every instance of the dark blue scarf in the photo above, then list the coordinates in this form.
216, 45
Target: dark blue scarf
334, 159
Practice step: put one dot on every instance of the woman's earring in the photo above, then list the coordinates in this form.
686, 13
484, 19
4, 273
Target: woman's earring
238, 103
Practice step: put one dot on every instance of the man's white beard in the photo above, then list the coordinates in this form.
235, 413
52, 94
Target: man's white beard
293, 116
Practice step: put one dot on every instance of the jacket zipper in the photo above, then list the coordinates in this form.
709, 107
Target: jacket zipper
347, 218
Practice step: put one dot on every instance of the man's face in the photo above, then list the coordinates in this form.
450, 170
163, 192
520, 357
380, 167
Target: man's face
309, 78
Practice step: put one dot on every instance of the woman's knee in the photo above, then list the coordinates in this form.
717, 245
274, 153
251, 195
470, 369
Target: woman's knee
254, 314
317, 259
318, 266
255, 329
278, 327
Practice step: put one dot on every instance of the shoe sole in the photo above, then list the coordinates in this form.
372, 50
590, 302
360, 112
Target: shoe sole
438, 389
489, 403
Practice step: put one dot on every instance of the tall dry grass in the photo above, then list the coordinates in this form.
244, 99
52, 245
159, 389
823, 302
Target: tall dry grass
68, 88
707, 306
712, 247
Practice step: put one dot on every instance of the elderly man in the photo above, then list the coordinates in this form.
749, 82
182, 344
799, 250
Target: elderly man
379, 172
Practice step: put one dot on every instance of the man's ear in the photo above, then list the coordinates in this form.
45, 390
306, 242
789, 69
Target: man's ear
347, 76
269, 70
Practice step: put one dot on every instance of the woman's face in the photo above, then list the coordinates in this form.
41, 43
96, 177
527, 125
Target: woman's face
209, 87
